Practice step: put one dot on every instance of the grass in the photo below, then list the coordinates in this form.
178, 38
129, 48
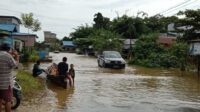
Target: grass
30, 86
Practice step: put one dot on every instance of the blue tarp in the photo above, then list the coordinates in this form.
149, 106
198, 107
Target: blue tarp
43, 54
68, 43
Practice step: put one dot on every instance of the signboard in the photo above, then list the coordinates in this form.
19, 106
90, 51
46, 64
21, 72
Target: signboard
195, 48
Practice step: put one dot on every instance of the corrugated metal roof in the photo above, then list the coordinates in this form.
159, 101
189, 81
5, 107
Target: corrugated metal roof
8, 27
24, 34
68, 43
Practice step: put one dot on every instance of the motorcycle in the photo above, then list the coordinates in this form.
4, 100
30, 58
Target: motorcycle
17, 95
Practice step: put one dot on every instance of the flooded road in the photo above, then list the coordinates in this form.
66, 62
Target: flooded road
134, 89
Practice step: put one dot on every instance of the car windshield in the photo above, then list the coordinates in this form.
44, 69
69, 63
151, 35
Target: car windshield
112, 54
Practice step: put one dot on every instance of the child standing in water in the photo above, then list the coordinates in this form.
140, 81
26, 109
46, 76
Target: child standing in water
72, 72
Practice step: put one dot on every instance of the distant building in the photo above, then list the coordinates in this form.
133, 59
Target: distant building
68, 46
49, 37
51, 40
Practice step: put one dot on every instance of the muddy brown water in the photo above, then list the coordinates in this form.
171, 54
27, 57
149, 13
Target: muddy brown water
134, 89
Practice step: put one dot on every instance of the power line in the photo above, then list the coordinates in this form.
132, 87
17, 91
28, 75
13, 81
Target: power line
179, 8
174, 7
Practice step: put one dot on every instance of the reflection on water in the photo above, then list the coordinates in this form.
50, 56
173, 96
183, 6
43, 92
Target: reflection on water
62, 95
135, 89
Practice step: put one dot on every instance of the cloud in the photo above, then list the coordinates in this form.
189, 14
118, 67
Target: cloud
61, 16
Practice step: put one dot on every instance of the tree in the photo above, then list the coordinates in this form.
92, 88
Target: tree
29, 22
154, 23
82, 32
190, 24
67, 39
129, 27
100, 21
106, 40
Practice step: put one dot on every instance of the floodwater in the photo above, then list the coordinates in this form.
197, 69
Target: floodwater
134, 89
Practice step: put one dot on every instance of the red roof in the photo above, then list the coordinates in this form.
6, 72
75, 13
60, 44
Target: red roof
166, 40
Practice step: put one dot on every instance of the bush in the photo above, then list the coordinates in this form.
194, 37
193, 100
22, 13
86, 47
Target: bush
34, 58
147, 52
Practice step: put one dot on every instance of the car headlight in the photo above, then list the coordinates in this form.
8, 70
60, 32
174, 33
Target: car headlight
107, 61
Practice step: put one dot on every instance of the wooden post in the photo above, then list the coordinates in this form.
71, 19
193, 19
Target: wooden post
198, 68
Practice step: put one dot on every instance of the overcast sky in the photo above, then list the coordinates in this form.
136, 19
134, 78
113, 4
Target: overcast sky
62, 16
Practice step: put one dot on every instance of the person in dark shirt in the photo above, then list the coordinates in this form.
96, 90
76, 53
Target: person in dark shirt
36, 69
63, 69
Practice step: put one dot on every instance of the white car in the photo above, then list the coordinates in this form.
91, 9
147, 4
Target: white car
111, 59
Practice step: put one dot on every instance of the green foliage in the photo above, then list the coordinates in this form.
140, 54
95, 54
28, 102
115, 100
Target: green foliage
191, 22
82, 43
34, 58
29, 22
101, 22
147, 52
159, 23
129, 27
82, 32
67, 39
31, 56
106, 40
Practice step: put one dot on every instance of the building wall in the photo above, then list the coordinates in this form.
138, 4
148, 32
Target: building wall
49, 37
10, 21
48, 34
29, 40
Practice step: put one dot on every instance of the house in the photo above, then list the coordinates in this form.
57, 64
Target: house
68, 46
19, 40
127, 45
6, 32
166, 40
29, 39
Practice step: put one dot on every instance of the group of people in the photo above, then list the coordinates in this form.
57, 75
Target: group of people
9, 60
62, 70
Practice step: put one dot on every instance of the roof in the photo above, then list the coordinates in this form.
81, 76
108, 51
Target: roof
24, 34
18, 20
68, 43
130, 41
8, 27
166, 40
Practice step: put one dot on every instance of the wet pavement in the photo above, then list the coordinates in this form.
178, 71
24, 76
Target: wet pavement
134, 89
